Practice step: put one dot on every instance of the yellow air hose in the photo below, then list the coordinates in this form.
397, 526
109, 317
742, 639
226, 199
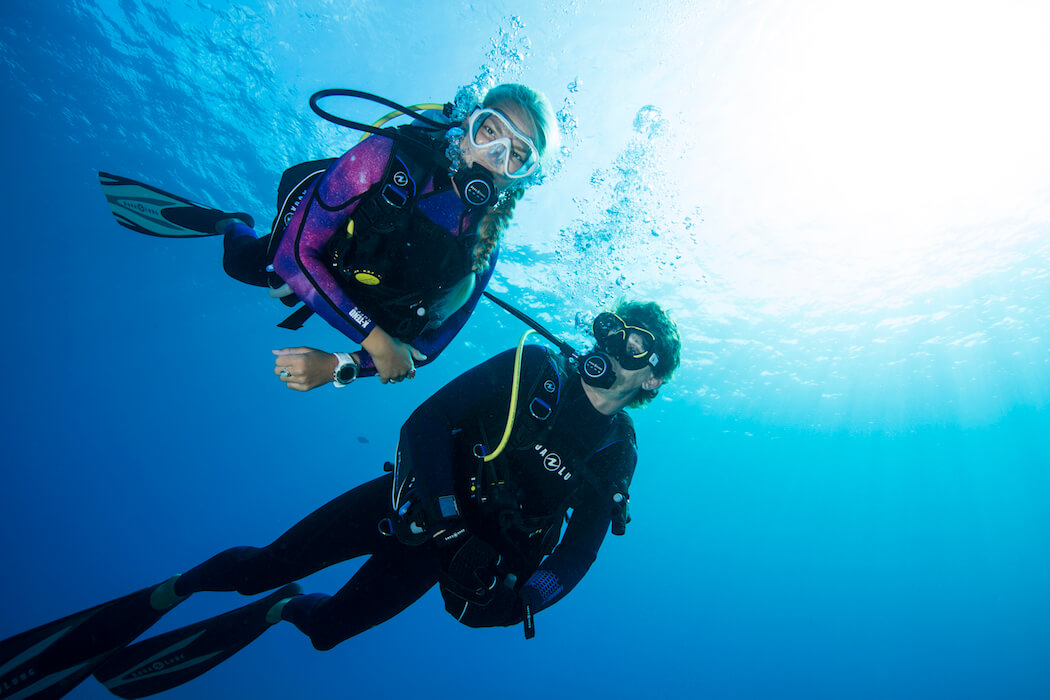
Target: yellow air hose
513, 398
395, 114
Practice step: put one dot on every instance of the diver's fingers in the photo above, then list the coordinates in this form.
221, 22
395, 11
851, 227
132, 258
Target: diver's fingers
295, 351
416, 354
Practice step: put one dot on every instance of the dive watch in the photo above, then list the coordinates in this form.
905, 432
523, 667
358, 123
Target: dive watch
346, 369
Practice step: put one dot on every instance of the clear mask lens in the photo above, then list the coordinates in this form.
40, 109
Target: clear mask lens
500, 145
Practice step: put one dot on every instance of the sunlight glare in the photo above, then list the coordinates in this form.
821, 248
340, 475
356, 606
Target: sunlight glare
865, 138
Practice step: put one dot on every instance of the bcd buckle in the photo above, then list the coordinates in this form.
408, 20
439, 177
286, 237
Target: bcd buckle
540, 409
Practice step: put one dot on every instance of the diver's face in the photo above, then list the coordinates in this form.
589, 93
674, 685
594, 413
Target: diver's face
501, 139
633, 347
625, 353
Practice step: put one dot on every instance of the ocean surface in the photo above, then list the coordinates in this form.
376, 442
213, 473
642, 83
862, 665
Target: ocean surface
844, 491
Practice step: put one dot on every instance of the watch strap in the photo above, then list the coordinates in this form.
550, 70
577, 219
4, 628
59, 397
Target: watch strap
344, 360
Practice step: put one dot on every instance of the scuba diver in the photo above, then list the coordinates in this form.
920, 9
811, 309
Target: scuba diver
392, 243
487, 471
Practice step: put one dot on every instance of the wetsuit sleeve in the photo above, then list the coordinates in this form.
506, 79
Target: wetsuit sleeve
426, 445
302, 259
572, 558
366, 367
432, 342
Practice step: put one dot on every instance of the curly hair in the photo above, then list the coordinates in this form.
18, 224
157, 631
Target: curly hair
652, 317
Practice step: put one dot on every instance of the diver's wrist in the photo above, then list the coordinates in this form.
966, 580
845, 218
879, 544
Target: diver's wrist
346, 369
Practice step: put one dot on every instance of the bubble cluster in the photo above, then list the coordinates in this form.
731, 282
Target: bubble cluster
632, 230
650, 122
453, 150
568, 126
504, 62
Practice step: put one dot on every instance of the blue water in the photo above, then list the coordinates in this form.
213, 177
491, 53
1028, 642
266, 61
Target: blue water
843, 493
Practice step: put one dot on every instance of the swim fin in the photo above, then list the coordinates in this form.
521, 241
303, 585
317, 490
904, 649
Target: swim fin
154, 212
47, 662
173, 658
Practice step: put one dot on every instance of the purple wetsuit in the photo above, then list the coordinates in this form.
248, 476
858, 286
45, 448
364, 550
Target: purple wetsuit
303, 260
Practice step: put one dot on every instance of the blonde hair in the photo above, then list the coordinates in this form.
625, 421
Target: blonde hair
536, 105
497, 219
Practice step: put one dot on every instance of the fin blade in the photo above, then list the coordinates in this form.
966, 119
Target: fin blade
173, 658
50, 660
154, 212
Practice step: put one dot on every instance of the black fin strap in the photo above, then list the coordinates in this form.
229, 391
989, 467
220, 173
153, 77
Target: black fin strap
298, 317
530, 623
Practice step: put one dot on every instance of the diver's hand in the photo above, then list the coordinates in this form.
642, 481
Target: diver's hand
303, 369
394, 360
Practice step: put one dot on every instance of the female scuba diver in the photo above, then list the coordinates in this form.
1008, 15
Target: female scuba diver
478, 514
392, 244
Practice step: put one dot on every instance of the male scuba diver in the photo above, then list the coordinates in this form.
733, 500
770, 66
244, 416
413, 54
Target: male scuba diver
392, 243
486, 472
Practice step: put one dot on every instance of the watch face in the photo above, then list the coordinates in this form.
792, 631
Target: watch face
347, 374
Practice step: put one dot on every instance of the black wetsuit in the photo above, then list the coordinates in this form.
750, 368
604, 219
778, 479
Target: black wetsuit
545, 462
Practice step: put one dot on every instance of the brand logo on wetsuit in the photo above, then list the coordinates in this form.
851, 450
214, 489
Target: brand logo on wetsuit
359, 317
400, 178
549, 386
552, 462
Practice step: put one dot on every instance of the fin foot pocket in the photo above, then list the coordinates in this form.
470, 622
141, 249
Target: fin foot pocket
164, 597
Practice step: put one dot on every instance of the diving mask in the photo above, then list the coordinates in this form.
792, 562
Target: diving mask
633, 347
500, 145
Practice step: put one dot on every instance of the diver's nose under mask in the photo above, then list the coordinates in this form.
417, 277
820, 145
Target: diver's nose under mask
503, 148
